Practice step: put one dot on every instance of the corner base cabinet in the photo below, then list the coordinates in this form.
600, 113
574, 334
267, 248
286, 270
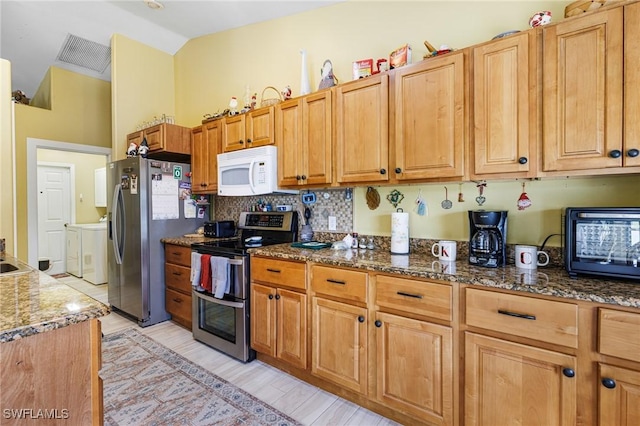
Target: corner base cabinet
177, 273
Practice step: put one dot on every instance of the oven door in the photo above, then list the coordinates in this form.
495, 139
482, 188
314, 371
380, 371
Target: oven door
223, 325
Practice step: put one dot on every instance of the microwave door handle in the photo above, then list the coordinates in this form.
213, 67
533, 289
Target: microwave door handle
251, 166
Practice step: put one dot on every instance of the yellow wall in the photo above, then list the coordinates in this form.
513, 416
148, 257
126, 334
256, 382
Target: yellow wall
6, 179
85, 165
213, 68
80, 113
142, 88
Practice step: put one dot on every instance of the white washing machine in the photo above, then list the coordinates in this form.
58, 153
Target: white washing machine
87, 251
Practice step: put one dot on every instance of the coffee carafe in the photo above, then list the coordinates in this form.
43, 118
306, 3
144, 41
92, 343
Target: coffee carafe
487, 238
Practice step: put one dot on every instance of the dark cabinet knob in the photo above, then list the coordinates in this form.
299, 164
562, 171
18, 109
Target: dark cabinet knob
608, 383
523, 160
383, 171
361, 318
378, 323
248, 140
241, 142
270, 296
398, 170
277, 297
633, 153
298, 177
615, 153
304, 177
569, 372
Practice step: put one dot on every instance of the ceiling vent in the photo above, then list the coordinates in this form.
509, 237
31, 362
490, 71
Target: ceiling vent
85, 53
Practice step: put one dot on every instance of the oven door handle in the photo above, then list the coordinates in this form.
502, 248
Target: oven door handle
238, 305
235, 262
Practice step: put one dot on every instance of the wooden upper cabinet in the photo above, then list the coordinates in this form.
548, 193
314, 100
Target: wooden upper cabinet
362, 130
505, 107
631, 152
304, 139
430, 118
205, 146
582, 92
249, 130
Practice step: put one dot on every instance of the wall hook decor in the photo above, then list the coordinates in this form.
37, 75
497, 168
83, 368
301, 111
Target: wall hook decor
395, 197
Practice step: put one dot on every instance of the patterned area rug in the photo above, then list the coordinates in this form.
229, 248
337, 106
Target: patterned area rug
146, 383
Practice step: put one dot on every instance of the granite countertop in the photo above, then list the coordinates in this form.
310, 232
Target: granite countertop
548, 281
33, 302
187, 241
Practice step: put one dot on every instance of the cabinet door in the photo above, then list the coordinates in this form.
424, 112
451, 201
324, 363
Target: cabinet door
508, 383
582, 92
339, 343
260, 127
362, 130
415, 367
619, 396
233, 133
430, 118
212, 140
292, 327
317, 137
135, 137
263, 319
289, 140
632, 85
199, 178
155, 137
504, 106
179, 306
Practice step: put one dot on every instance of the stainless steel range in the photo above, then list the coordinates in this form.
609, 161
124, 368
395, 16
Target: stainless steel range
223, 322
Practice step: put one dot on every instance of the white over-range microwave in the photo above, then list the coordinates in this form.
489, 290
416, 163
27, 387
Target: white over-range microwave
252, 171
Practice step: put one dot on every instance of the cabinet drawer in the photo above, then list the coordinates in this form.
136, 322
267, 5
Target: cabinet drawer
619, 335
177, 254
179, 306
343, 283
544, 320
279, 272
417, 297
177, 277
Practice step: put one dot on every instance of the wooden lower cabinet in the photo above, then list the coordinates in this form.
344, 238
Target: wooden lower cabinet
339, 343
177, 279
279, 324
415, 367
509, 383
619, 396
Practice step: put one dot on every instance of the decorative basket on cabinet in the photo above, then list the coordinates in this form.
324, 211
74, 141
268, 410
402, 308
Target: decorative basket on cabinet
270, 101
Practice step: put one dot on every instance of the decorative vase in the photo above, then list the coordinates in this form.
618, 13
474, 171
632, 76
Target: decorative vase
305, 85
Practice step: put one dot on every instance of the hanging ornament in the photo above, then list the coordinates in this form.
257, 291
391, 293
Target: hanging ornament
460, 194
421, 204
373, 198
395, 197
523, 201
480, 199
446, 203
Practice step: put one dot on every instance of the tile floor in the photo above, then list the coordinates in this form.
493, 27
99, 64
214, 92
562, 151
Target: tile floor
303, 402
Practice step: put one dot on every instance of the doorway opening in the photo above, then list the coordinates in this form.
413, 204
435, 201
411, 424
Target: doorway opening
35, 149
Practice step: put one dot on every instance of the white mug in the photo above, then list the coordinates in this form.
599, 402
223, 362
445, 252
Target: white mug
444, 250
528, 257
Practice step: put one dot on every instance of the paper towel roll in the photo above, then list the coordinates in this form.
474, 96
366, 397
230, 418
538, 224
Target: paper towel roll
400, 233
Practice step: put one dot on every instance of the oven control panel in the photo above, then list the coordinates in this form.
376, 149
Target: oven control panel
281, 221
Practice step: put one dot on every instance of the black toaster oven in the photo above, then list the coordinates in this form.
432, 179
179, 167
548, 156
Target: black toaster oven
220, 229
603, 241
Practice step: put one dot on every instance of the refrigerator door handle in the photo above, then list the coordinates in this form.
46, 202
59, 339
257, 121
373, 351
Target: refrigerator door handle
117, 196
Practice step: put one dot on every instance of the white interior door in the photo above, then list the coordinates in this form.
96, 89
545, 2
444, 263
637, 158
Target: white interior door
54, 211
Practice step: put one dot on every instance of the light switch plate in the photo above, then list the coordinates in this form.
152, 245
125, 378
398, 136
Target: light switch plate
332, 223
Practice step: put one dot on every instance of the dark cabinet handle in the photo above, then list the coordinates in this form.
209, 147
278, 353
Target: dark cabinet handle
177, 273
360, 318
304, 177
615, 153
276, 271
517, 315
330, 280
383, 171
271, 297
633, 153
569, 372
608, 383
297, 177
523, 160
177, 300
416, 296
241, 142
398, 170
248, 140
277, 297
378, 323
176, 253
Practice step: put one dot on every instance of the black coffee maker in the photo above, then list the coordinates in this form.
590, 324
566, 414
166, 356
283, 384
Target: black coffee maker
488, 238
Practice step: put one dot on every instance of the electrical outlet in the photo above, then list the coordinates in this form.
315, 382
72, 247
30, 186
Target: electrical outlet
332, 223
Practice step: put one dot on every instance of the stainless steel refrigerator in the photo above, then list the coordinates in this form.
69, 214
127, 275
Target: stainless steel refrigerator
148, 200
